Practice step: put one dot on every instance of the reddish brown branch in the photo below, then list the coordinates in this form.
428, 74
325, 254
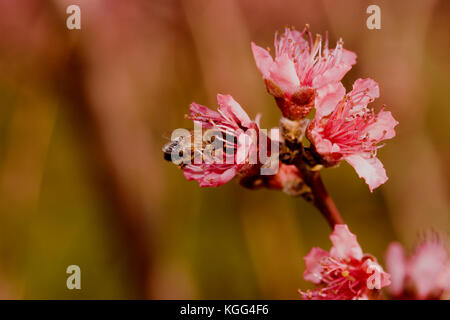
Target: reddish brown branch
320, 197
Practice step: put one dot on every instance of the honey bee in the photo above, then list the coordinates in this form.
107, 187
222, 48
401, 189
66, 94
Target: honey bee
180, 151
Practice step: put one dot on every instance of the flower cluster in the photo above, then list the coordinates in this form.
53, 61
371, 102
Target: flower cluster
303, 76
322, 125
306, 74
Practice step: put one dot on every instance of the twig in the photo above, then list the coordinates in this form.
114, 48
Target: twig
321, 199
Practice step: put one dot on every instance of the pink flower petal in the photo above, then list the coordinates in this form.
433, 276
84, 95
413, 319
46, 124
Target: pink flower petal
283, 73
425, 267
444, 277
263, 60
369, 168
383, 128
345, 245
209, 175
331, 75
396, 266
348, 57
314, 270
364, 91
322, 145
233, 110
199, 111
286, 174
328, 98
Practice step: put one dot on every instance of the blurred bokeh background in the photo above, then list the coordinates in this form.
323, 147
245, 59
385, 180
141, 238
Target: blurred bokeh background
84, 114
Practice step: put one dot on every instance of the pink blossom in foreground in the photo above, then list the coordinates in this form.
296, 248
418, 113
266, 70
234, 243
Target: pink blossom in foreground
344, 273
230, 120
301, 70
423, 275
350, 131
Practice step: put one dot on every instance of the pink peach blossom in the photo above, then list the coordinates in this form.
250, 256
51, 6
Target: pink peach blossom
423, 275
344, 273
301, 70
348, 130
287, 179
232, 121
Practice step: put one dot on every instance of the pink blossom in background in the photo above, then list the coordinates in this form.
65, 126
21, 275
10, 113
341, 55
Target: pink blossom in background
230, 120
286, 174
288, 179
301, 70
343, 273
350, 131
423, 275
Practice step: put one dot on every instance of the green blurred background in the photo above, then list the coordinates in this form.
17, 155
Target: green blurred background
84, 114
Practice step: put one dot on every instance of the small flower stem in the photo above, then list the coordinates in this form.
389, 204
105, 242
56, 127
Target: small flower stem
321, 199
